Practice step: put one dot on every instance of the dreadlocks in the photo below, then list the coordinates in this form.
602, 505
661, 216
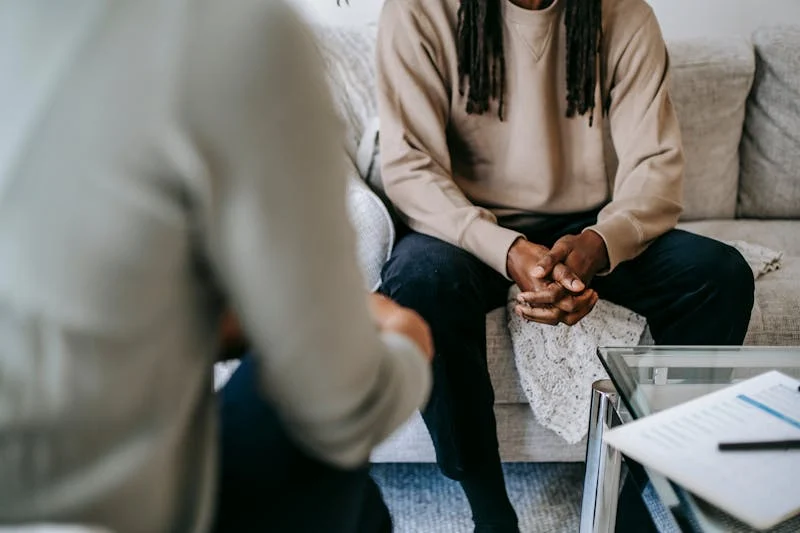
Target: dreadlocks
481, 61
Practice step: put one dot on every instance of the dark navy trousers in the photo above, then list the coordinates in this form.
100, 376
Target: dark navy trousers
692, 290
268, 483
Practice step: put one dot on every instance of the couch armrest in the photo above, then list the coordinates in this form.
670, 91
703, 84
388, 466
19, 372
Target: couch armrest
374, 228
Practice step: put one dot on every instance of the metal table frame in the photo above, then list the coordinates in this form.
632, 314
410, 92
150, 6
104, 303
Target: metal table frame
606, 471
603, 463
605, 468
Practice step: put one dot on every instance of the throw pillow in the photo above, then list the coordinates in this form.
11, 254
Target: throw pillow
770, 148
710, 80
709, 86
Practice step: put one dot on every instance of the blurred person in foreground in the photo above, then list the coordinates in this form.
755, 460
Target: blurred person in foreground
161, 161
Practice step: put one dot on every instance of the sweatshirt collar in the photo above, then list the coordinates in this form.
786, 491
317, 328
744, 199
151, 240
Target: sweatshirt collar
532, 17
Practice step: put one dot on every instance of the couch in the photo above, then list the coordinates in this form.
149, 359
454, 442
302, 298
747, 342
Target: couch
738, 103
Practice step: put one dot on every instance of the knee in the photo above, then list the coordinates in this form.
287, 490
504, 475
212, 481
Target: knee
432, 276
735, 274
740, 278
724, 270
738, 275
405, 278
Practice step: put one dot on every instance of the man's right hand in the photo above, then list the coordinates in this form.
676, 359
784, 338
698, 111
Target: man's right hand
393, 317
547, 301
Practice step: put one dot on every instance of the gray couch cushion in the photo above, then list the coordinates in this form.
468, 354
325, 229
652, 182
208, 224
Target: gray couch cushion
709, 86
710, 83
770, 152
781, 235
776, 313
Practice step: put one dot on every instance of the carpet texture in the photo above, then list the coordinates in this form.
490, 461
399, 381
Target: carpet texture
546, 496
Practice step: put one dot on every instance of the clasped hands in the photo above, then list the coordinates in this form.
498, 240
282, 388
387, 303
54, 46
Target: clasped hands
554, 283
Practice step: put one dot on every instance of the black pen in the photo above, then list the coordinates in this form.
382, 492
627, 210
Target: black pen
793, 444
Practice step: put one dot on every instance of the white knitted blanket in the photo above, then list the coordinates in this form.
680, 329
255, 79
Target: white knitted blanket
558, 364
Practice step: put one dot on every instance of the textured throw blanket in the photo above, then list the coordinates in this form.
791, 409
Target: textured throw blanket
557, 365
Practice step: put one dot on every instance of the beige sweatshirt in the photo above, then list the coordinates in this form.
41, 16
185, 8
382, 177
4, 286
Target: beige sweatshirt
453, 175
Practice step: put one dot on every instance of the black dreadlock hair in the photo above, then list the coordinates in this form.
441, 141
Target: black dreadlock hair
481, 61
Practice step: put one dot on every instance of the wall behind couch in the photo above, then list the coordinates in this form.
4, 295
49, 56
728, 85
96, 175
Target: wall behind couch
679, 18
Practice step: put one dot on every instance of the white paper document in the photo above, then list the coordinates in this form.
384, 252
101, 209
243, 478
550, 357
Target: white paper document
760, 488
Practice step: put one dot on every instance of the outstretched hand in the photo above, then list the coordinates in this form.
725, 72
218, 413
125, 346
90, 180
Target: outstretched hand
391, 316
233, 343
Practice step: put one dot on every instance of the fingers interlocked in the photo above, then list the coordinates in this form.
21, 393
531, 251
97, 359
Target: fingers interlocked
570, 309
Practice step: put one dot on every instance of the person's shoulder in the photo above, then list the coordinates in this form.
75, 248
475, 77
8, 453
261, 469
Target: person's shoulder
423, 15
623, 18
243, 34
423, 8
240, 49
626, 22
234, 21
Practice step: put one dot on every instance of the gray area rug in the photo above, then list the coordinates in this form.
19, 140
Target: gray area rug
546, 496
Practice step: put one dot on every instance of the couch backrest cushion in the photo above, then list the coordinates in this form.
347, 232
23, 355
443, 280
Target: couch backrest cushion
770, 151
710, 83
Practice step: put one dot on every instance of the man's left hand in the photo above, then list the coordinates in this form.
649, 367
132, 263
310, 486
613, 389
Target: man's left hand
583, 254
233, 344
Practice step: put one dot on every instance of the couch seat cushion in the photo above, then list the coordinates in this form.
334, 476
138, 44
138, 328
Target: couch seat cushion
782, 235
776, 313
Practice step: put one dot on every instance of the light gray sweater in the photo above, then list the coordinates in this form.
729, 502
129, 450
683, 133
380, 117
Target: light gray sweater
157, 159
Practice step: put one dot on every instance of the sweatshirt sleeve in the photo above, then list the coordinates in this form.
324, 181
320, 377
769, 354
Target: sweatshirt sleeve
414, 103
278, 235
647, 194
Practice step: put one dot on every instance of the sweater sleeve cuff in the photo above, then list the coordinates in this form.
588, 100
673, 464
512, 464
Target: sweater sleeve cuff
490, 243
623, 239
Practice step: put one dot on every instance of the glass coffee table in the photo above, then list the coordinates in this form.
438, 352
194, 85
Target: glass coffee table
648, 379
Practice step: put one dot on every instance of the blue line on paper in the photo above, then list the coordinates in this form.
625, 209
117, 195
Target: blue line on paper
770, 410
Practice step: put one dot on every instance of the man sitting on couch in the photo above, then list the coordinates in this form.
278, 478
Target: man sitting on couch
492, 117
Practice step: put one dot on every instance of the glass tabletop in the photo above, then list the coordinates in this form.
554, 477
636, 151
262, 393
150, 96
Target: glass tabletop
653, 378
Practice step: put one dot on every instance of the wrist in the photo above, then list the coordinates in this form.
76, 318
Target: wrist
514, 257
522, 257
600, 251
